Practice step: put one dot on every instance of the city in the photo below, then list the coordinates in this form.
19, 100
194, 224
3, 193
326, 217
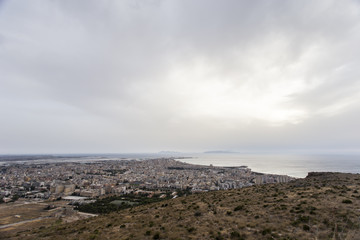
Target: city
118, 177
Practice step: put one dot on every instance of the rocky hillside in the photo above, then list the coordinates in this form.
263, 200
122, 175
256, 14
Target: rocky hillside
321, 206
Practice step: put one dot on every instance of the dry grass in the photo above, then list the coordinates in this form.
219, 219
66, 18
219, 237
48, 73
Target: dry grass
311, 208
25, 211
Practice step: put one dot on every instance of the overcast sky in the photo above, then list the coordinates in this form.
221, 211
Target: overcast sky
80, 76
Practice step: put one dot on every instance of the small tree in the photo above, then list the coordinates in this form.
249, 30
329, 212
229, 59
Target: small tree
15, 198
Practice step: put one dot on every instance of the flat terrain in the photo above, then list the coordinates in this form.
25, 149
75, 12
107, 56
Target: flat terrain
23, 215
20, 211
321, 206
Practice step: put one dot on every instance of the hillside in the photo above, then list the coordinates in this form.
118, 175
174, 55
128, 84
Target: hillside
320, 206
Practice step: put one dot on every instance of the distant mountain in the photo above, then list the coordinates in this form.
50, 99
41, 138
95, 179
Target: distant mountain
221, 151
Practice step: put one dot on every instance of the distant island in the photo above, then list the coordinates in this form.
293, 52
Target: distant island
220, 151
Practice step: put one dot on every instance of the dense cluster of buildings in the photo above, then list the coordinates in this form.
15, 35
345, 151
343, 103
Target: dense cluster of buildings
94, 179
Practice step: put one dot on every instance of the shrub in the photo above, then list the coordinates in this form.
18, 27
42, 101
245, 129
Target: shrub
266, 231
306, 227
238, 208
236, 235
156, 236
197, 214
304, 218
347, 201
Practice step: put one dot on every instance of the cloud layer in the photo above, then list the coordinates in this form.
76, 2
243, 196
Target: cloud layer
125, 76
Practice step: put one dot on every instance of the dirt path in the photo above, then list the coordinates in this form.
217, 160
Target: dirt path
22, 222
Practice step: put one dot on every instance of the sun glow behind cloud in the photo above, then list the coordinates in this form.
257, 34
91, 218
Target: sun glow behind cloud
207, 96
260, 87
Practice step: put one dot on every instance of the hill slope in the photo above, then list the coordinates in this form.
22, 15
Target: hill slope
321, 206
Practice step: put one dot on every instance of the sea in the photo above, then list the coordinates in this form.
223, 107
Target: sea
295, 165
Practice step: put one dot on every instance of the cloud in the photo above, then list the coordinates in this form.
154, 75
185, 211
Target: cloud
125, 76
